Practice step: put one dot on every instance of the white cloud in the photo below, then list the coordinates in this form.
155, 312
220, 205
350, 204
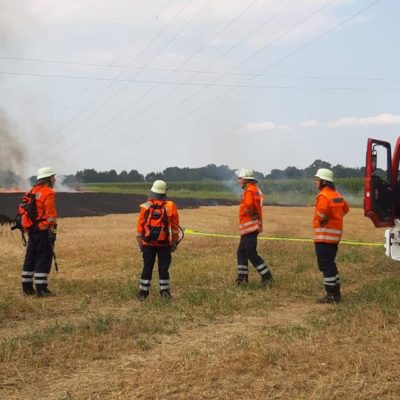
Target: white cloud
310, 123
380, 119
266, 126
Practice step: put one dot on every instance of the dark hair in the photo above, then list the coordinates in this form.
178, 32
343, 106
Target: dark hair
44, 181
323, 183
157, 196
250, 180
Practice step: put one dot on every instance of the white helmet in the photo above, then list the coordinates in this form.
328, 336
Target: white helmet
159, 187
325, 174
246, 174
44, 172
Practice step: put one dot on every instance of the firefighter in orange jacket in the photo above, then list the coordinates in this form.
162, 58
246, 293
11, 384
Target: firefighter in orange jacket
157, 235
42, 235
250, 225
330, 207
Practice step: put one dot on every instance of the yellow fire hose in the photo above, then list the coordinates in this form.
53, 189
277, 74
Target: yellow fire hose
289, 239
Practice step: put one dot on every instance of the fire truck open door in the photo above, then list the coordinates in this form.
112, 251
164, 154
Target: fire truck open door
382, 192
378, 198
396, 180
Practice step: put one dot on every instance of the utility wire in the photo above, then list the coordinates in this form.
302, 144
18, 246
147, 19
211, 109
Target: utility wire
234, 67
157, 84
212, 84
110, 99
125, 69
269, 44
155, 131
258, 28
263, 71
315, 77
225, 73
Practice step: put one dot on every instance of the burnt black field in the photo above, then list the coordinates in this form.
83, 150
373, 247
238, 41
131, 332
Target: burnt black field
94, 204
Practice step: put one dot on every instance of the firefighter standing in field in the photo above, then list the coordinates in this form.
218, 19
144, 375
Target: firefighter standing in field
157, 236
250, 225
42, 235
330, 207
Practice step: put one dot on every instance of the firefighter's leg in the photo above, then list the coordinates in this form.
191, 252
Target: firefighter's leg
326, 254
149, 258
43, 264
250, 243
164, 262
242, 263
29, 266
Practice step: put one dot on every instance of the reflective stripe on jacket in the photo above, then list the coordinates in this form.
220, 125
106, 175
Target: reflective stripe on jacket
173, 220
330, 207
250, 211
46, 206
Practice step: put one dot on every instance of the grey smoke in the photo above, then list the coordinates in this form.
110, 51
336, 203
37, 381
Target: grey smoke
12, 152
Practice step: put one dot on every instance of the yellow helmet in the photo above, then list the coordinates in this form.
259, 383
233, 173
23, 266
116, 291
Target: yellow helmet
44, 172
159, 187
325, 174
246, 174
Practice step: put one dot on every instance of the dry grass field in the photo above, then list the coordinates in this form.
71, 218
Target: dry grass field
95, 340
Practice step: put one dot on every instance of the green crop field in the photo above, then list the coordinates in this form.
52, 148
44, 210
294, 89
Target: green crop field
288, 191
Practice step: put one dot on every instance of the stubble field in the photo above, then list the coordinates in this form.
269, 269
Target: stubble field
95, 340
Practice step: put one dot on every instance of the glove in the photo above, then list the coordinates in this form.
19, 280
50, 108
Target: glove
174, 246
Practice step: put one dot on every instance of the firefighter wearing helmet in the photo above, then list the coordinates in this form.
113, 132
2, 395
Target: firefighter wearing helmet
42, 235
157, 235
330, 207
250, 225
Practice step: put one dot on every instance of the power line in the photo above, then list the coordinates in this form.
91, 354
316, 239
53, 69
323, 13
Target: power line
155, 131
144, 49
137, 100
269, 44
225, 73
266, 22
138, 72
234, 67
264, 70
213, 84
94, 78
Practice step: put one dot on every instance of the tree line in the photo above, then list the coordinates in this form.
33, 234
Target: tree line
209, 172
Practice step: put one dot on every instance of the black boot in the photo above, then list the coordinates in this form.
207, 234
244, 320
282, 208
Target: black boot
143, 294
266, 279
242, 279
43, 291
27, 289
165, 294
332, 295
337, 292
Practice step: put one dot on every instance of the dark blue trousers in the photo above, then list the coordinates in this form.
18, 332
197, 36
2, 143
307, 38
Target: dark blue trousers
38, 258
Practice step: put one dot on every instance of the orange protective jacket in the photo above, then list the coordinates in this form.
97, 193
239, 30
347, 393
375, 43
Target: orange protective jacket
250, 211
330, 207
173, 221
46, 206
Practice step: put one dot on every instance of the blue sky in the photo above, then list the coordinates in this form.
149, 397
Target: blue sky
148, 85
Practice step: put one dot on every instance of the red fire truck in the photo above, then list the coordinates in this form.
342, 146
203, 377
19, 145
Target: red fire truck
382, 192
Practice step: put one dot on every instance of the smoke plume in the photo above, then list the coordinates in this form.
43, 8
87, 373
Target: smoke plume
12, 153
